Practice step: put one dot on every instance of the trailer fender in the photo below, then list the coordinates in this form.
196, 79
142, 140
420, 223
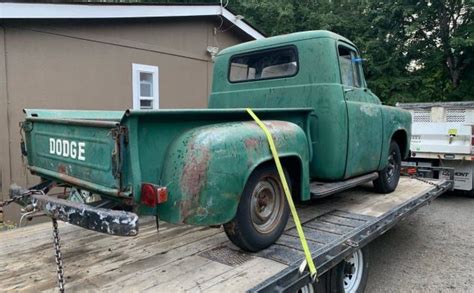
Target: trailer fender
206, 168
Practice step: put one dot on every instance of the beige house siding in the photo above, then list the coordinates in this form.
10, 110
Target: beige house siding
4, 133
88, 65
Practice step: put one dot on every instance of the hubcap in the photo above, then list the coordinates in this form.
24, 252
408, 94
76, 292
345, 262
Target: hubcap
266, 204
353, 271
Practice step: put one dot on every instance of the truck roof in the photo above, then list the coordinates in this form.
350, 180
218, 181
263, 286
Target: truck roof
283, 39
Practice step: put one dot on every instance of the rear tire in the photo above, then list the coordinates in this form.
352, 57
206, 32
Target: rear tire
262, 213
390, 175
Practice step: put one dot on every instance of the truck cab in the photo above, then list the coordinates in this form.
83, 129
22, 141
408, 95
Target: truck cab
350, 130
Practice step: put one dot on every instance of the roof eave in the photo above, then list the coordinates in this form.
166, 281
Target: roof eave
104, 11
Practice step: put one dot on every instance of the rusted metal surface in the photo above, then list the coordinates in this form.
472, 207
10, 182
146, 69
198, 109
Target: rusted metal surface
113, 222
212, 164
194, 173
74, 181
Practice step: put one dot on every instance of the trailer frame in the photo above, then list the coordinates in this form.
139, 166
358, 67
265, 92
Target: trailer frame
290, 279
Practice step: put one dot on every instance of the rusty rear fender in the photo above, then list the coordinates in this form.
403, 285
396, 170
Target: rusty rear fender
206, 168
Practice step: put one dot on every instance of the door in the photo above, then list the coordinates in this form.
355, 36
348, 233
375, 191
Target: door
364, 113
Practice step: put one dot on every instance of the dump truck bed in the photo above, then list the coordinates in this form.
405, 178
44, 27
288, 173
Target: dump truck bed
182, 258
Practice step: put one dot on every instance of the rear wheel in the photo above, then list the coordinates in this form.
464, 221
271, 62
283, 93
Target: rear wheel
390, 175
262, 213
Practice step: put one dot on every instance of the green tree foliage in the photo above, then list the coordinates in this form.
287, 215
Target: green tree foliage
415, 50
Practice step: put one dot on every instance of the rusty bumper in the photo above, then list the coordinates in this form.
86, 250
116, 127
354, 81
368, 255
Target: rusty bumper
113, 222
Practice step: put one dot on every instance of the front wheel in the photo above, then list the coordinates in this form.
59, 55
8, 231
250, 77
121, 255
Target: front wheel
390, 175
262, 213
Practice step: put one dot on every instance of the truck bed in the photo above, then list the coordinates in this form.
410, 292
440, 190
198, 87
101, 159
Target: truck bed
183, 258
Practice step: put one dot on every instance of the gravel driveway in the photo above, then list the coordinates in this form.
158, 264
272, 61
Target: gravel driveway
430, 251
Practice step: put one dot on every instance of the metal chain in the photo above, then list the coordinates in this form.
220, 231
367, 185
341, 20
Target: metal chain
426, 181
57, 254
17, 198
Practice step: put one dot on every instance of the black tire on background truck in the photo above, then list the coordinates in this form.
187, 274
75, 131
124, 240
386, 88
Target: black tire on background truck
262, 213
349, 276
390, 175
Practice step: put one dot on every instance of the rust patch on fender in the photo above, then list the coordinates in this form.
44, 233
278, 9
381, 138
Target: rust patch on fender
251, 143
185, 207
194, 173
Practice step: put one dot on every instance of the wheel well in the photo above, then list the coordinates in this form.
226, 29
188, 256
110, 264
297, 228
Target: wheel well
292, 165
400, 137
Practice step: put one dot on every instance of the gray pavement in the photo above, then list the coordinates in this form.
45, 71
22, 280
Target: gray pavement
430, 251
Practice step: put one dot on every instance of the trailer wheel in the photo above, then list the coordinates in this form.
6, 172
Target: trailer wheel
349, 276
355, 271
262, 213
390, 175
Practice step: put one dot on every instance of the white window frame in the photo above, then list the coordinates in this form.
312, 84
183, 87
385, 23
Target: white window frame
154, 70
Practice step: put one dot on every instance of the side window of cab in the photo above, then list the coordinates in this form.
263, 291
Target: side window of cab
350, 67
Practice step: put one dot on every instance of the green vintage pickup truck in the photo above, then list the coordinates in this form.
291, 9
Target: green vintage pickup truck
213, 166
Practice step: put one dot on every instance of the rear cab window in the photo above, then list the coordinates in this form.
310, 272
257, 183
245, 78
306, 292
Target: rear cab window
267, 64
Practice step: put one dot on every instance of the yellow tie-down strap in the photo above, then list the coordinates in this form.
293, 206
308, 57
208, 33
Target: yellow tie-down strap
294, 214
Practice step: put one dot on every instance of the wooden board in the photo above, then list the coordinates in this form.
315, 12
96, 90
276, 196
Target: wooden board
178, 258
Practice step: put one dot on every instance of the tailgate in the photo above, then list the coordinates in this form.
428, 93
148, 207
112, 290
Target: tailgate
80, 148
441, 137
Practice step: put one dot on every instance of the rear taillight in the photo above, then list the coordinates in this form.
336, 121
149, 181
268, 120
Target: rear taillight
153, 195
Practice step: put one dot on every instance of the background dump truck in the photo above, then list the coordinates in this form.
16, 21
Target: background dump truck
213, 167
443, 135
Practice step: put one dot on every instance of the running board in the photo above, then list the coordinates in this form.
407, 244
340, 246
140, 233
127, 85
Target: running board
322, 189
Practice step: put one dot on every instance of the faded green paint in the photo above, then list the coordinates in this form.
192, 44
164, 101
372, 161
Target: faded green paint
204, 157
168, 148
395, 121
349, 127
217, 159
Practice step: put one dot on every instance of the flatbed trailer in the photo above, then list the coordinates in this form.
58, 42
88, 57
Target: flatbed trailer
191, 258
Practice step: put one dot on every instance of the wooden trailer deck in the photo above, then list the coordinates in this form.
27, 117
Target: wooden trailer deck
187, 258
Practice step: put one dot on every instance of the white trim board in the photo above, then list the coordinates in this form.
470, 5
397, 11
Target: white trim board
84, 11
